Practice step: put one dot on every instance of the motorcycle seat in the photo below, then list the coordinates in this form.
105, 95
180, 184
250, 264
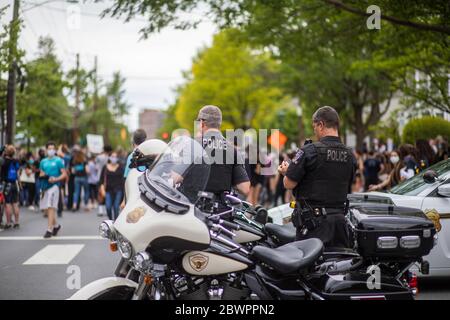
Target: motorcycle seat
283, 233
292, 257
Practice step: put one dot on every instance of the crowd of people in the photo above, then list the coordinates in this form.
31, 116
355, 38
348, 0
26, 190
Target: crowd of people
377, 169
57, 178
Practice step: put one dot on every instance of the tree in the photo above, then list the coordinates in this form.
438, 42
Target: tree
333, 57
115, 93
228, 74
42, 109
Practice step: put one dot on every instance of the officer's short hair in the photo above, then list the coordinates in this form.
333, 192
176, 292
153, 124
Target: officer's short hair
328, 116
139, 136
211, 115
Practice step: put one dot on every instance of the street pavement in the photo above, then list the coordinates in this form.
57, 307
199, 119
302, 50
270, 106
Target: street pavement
35, 268
32, 267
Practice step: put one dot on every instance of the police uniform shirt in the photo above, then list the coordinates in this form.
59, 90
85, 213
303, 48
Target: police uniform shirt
227, 164
304, 170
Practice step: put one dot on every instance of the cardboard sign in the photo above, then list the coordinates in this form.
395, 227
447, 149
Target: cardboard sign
94, 143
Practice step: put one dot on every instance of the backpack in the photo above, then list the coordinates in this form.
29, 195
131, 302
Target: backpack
12, 172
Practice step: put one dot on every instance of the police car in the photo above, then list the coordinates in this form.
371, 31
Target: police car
428, 191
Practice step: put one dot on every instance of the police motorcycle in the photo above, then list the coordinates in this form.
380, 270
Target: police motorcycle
175, 250
179, 251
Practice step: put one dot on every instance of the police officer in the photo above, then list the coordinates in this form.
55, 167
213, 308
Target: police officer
321, 175
227, 164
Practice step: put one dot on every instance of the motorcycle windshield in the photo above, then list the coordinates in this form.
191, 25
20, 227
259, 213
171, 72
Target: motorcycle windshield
182, 171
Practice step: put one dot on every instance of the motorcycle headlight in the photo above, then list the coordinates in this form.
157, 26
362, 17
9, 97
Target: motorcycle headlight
107, 230
142, 262
125, 248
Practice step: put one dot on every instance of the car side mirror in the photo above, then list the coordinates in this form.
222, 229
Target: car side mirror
430, 176
233, 201
444, 190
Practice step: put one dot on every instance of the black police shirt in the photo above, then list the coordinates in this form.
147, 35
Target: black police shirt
306, 160
227, 164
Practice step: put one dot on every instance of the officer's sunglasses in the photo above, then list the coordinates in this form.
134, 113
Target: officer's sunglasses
200, 119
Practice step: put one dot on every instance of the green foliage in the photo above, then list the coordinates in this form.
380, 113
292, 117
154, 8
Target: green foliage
241, 82
332, 57
425, 128
43, 112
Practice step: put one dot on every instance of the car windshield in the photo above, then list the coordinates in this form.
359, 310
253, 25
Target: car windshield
181, 171
416, 184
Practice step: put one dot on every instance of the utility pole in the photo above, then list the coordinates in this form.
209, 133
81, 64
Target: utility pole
75, 132
95, 104
11, 89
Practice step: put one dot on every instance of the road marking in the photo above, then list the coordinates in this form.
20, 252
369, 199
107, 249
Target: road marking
54, 238
55, 254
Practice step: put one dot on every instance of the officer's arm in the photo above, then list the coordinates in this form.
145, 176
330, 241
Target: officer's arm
296, 169
243, 188
240, 180
289, 184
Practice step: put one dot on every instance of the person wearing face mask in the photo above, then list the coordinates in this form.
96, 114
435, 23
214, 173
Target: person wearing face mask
394, 176
321, 176
112, 183
52, 174
9, 178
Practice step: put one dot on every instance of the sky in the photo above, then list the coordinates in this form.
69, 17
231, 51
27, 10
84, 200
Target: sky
152, 67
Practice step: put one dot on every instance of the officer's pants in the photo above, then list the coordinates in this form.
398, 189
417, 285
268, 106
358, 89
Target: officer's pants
333, 231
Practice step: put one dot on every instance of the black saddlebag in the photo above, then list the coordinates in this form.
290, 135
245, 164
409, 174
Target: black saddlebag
387, 232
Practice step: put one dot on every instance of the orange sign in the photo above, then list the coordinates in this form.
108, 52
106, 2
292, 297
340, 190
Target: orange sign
277, 139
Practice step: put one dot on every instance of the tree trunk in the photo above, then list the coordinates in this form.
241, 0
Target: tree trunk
360, 130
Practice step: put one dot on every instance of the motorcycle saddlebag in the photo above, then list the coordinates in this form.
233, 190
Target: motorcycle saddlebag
387, 232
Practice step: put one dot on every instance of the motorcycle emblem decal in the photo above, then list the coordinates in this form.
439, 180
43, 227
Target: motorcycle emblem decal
134, 215
434, 216
198, 262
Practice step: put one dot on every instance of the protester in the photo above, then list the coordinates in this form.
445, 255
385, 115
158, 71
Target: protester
443, 149
372, 167
358, 184
112, 182
37, 172
10, 180
28, 181
408, 155
79, 170
93, 179
425, 154
52, 173
394, 177
63, 153
101, 161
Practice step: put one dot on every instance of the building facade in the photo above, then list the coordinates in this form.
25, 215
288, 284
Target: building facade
151, 121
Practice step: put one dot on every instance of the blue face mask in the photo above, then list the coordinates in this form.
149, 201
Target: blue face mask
31, 161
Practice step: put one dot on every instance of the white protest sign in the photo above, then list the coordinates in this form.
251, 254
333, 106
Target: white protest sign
94, 143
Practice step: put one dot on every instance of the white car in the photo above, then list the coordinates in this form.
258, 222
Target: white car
432, 195
415, 193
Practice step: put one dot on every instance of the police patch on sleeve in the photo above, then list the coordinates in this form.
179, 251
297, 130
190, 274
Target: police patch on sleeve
298, 156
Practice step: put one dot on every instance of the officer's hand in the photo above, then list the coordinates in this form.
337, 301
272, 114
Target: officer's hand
282, 168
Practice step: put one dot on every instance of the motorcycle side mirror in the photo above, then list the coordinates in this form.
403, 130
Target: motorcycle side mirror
233, 201
430, 176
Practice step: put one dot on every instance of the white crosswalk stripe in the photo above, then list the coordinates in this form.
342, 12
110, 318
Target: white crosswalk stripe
55, 254
53, 238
